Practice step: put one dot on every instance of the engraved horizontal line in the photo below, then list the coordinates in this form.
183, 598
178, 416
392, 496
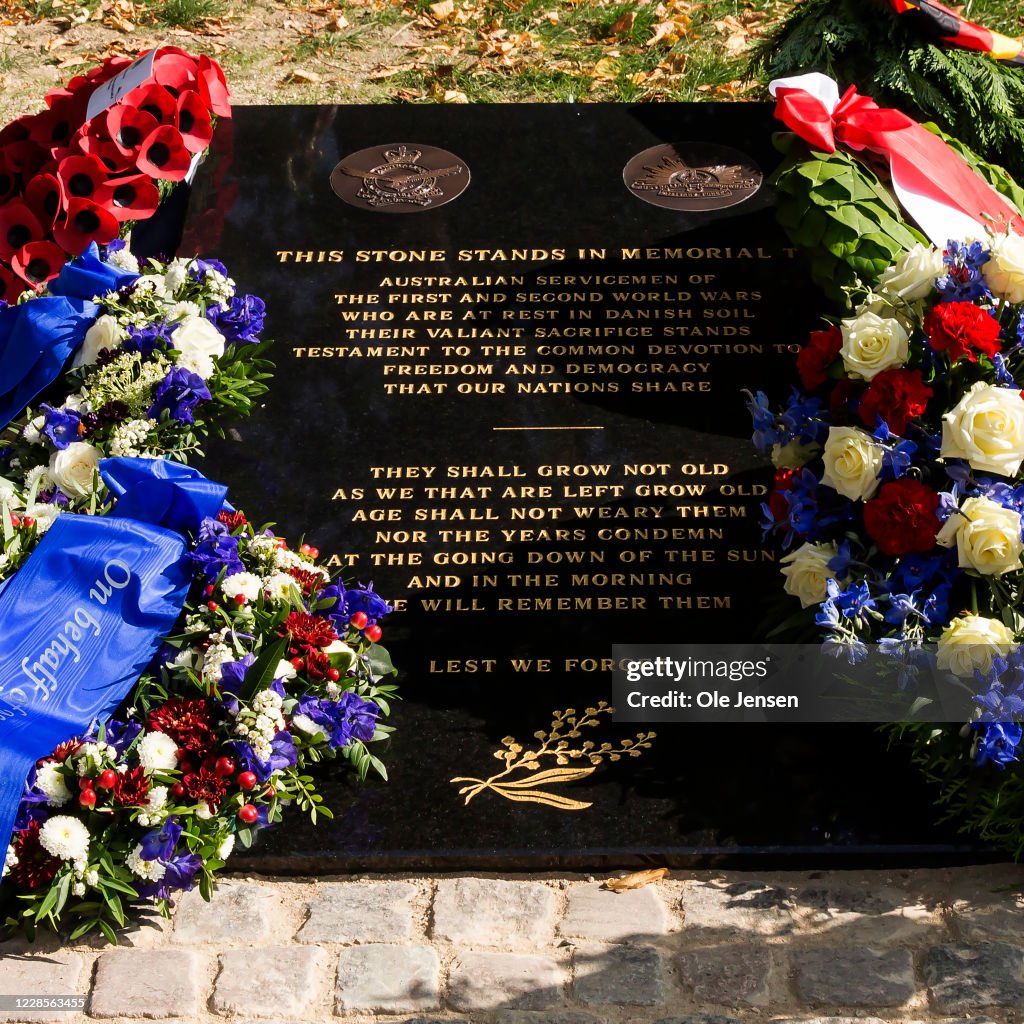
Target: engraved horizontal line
547, 428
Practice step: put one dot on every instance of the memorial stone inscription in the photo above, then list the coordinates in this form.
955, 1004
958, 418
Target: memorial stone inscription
512, 344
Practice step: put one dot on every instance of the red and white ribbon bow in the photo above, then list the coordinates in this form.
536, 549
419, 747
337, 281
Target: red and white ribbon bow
934, 185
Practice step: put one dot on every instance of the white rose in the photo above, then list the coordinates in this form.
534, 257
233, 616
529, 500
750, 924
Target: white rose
74, 467
793, 455
913, 275
852, 462
807, 572
987, 537
986, 427
199, 342
104, 333
1004, 271
285, 671
872, 343
970, 643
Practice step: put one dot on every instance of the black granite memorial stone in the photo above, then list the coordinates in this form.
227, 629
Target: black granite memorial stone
512, 349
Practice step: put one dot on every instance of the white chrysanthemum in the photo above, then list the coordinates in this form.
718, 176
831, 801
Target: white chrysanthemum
44, 515
285, 559
179, 312
65, 837
124, 259
278, 586
152, 814
11, 860
50, 781
38, 478
175, 276
148, 870
157, 752
226, 847
31, 432
88, 757
241, 583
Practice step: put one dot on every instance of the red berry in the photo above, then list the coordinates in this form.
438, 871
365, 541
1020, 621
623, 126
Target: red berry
359, 620
178, 789
29, 522
239, 599
107, 779
270, 793
224, 767
280, 542
247, 781
85, 783
374, 633
15, 521
212, 605
298, 664
304, 549
248, 813
87, 798
313, 552
209, 590
333, 674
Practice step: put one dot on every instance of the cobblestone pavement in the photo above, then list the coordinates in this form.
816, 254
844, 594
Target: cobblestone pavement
827, 947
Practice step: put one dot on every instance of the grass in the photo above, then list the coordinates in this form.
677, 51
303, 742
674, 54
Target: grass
185, 13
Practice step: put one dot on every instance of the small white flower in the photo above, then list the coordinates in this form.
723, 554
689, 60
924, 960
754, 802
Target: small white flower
124, 259
78, 889
226, 847
305, 724
65, 837
179, 312
50, 782
157, 752
88, 757
91, 877
175, 276
31, 433
278, 586
44, 515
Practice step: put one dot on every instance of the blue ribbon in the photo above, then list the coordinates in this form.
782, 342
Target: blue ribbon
85, 614
39, 336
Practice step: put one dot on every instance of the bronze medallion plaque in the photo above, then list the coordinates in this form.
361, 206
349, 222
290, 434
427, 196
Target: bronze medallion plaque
697, 176
400, 178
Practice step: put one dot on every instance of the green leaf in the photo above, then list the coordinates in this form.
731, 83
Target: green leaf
380, 662
261, 672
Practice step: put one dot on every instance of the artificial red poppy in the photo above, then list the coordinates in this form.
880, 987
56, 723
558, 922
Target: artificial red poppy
194, 122
163, 155
38, 262
42, 195
176, 72
213, 88
8, 181
108, 69
108, 154
84, 222
128, 127
10, 286
25, 157
16, 131
52, 127
80, 177
154, 100
132, 198
18, 227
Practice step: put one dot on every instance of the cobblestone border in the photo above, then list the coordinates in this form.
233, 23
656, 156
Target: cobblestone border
822, 947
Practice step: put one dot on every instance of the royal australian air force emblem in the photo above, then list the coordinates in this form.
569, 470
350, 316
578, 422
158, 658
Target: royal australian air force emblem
400, 178
692, 176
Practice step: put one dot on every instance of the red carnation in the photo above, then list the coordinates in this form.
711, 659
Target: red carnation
308, 580
820, 352
962, 329
310, 629
187, 721
897, 396
36, 867
232, 520
901, 518
318, 664
131, 788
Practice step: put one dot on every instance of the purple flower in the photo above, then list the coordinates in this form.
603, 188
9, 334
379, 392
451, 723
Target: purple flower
242, 321
232, 675
366, 601
61, 426
121, 735
200, 268
282, 755
146, 340
342, 720
999, 743
178, 394
216, 551
179, 876
160, 843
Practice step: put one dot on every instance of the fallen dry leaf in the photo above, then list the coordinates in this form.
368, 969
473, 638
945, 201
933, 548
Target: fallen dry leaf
636, 880
302, 76
454, 96
442, 10
338, 23
406, 95
624, 24
605, 70
670, 32
388, 70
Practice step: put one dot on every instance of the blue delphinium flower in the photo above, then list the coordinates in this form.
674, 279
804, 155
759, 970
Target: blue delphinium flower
148, 339
241, 321
998, 742
282, 755
179, 393
342, 720
216, 550
963, 281
61, 426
